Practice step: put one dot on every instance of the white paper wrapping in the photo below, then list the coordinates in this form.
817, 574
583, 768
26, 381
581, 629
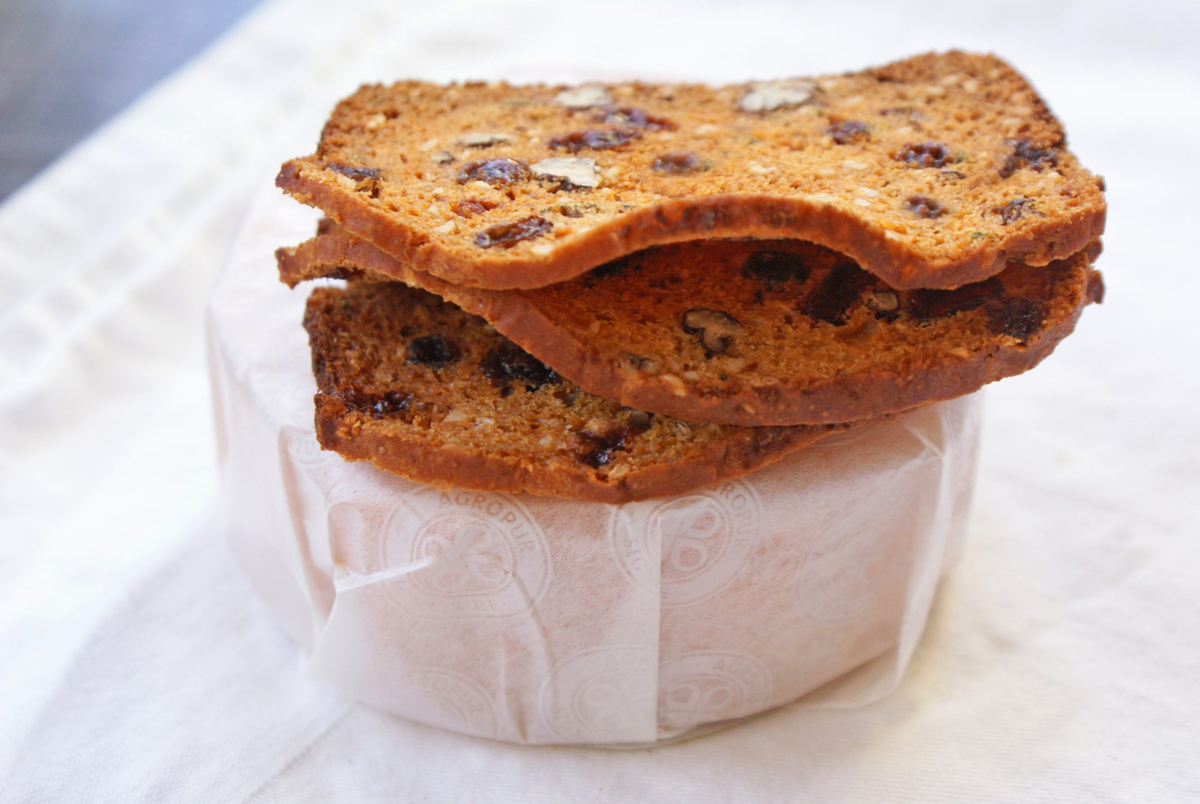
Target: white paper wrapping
538, 620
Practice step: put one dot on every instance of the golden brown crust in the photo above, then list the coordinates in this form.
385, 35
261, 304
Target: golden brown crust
748, 451
389, 159
449, 422
872, 363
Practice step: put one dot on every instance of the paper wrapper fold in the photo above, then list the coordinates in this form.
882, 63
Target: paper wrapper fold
539, 620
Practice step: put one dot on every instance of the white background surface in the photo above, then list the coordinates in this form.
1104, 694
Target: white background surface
1062, 662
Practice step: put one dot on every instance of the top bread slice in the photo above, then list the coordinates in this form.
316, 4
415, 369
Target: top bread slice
932, 172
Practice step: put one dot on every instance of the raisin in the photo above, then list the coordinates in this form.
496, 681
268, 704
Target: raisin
1095, 287
345, 272
837, 293
508, 362
568, 397
496, 172
925, 304
367, 178
715, 328
473, 206
392, 402
433, 351
595, 138
353, 397
847, 131
377, 405
1027, 155
924, 154
1016, 317
676, 164
356, 173
639, 421
597, 449
632, 116
613, 268
773, 268
506, 235
925, 207
1013, 210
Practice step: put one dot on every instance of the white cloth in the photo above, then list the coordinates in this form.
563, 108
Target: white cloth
1062, 659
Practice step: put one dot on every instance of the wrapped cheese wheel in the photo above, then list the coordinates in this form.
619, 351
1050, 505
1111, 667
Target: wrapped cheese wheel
550, 621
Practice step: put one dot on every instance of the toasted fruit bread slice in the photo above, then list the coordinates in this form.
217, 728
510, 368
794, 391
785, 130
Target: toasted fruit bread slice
932, 172
756, 333
418, 387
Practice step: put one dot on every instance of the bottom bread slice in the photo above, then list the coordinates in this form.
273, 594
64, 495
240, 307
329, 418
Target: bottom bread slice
419, 387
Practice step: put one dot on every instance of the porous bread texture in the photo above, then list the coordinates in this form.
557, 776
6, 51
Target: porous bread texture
934, 171
756, 333
420, 388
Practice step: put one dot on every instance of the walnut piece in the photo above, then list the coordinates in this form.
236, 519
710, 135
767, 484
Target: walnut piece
715, 328
769, 96
573, 171
482, 139
584, 97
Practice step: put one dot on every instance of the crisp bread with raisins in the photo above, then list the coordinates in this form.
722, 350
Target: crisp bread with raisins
423, 389
932, 172
756, 332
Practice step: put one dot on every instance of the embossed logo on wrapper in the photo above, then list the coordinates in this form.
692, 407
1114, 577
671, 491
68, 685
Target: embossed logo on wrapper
708, 686
445, 699
304, 448
705, 540
467, 554
603, 695
847, 568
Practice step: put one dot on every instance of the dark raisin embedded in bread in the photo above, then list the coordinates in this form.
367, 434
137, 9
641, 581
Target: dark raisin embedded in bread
934, 171
418, 387
758, 332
